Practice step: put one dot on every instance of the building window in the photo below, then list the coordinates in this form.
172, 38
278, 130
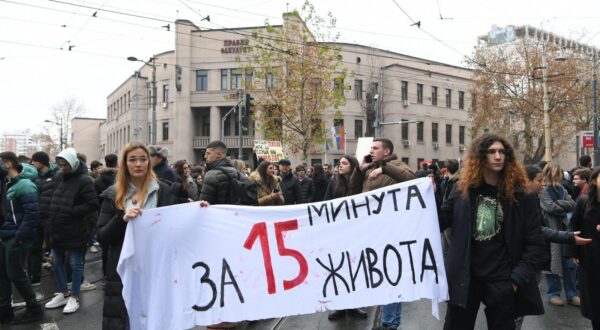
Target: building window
434, 95
338, 86
358, 89
166, 93
150, 133
269, 80
420, 131
404, 130
404, 90
205, 126
419, 162
405, 160
420, 93
473, 101
461, 135
236, 79
448, 133
165, 131
448, 98
461, 100
248, 76
224, 79
358, 128
201, 80
434, 132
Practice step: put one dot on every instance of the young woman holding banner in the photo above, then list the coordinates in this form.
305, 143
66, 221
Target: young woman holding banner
136, 188
347, 182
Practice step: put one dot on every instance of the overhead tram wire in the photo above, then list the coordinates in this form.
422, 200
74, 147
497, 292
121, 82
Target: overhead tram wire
72, 38
236, 31
232, 30
410, 74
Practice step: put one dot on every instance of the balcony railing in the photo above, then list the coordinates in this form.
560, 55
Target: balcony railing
200, 142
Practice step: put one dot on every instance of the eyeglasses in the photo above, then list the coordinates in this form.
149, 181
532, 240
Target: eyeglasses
134, 160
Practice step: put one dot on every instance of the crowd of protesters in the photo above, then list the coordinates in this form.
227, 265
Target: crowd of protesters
503, 225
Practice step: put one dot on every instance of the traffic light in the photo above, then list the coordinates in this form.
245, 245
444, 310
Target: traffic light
248, 105
178, 77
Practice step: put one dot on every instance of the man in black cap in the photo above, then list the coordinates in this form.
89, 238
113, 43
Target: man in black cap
158, 157
45, 185
290, 186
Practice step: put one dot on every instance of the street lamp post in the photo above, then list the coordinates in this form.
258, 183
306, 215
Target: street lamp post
547, 137
61, 130
153, 64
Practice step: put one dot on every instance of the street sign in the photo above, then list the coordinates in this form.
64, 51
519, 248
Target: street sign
587, 139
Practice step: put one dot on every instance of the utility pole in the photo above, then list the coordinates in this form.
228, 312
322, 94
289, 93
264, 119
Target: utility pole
596, 153
241, 98
153, 64
547, 137
136, 130
153, 59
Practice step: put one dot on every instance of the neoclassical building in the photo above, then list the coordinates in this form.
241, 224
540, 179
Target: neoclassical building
197, 85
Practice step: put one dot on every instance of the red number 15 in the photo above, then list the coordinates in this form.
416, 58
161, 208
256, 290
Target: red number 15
259, 230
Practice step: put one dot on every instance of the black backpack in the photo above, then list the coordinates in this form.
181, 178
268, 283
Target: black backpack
242, 190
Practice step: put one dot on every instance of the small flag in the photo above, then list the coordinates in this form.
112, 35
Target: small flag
339, 137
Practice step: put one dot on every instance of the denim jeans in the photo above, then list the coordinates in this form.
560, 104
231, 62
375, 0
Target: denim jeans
391, 315
569, 278
76, 258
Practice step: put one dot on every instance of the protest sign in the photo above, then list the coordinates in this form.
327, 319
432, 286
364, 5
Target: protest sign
271, 151
184, 265
363, 147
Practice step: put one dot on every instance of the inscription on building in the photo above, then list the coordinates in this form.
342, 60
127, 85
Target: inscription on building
237, 46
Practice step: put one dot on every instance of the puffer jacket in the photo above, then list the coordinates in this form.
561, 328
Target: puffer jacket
307, 190
111, 233
394, 171
215, 189
45, 184
265, 191
22, 211
73, 199
105, 179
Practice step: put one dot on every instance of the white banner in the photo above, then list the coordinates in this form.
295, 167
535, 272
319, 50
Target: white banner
184, 265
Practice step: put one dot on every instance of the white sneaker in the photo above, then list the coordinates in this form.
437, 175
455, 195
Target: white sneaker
87, 286
58, 301
72, 306
93, 249
96, 244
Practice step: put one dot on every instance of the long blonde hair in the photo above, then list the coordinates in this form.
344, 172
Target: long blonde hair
124, 178
552, 174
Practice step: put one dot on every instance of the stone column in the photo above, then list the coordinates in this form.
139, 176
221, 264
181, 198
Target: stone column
215, 123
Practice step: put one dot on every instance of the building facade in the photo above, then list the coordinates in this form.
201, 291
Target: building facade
19, 142
85, 137
197, 86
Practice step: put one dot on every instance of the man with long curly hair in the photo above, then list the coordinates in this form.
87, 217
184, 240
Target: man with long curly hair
497, 244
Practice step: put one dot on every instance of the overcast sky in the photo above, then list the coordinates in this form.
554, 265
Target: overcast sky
35, 74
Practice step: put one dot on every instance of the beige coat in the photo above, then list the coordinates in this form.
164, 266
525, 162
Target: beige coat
394, 171
264, 191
